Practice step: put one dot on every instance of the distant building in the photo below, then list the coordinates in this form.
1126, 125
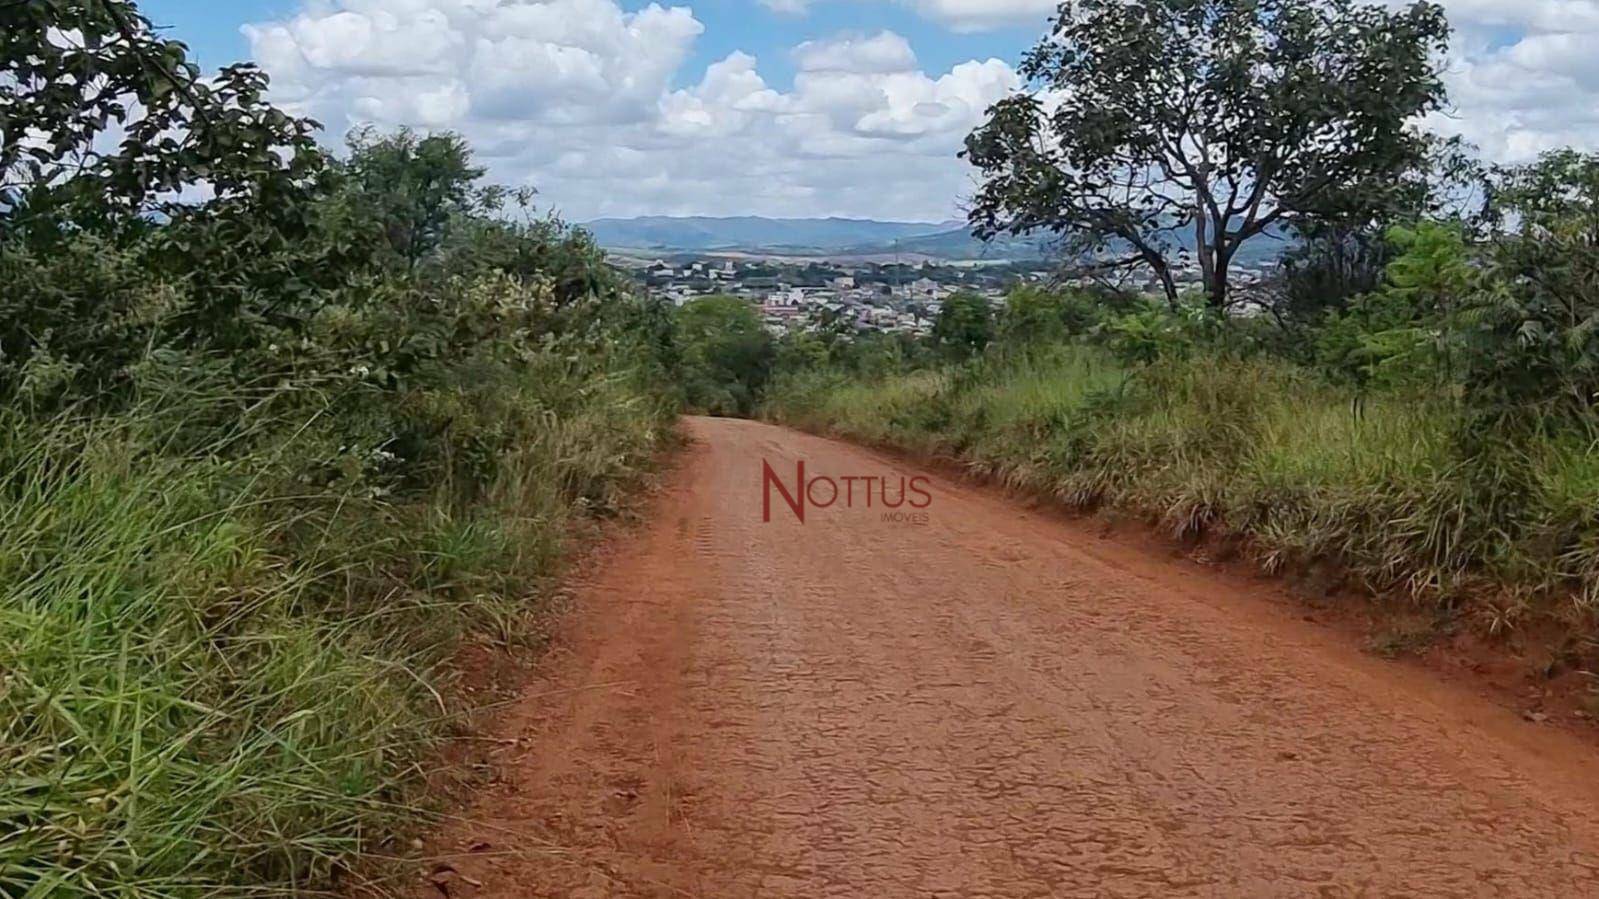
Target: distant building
781, 303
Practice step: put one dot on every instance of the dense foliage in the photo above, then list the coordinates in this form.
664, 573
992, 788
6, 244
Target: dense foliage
279, 427
964, 326
725, 355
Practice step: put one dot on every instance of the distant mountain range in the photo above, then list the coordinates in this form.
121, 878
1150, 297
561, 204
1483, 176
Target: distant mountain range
753, 232
835, 237
801, 237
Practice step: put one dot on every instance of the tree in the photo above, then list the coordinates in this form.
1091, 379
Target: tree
727, 355
1531, 353
1397, 333
416, 185
112, 142
1322, 274
1224, 119
102, 120
965, 324
1034, 315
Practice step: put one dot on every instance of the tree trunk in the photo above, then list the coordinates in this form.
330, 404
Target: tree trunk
1216, 286
1163, 271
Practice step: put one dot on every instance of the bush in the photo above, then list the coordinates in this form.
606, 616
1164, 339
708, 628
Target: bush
964, 326
1531, 328
1399, 334
726, 356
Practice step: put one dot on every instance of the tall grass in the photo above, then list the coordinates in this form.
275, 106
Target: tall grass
1254, 448
220, 674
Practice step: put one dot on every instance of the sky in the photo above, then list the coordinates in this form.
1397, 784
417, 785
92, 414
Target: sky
801, 108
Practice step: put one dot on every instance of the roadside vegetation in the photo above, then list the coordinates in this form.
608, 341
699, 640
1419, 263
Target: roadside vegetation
723, 355
277, 428
1409, 400
1433, 437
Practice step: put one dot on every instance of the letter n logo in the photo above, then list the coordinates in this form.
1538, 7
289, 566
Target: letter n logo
769, 479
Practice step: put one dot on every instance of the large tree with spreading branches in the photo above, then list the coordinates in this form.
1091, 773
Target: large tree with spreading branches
1159, 128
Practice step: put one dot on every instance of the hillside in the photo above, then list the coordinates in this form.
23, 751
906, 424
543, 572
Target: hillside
755, 233
839, 238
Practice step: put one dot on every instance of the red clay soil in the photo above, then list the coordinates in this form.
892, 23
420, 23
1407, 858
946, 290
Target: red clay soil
993, 704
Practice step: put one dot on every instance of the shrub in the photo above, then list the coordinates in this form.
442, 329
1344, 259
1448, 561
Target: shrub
726, 355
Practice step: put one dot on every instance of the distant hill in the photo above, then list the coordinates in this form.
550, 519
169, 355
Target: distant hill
839, 237
668, 233
958, 243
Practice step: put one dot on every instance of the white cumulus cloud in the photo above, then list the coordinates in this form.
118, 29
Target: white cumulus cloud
883, 52
579, 99
1523, 76
788, 7
981, 15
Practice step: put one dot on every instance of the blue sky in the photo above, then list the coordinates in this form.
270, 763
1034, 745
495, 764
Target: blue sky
212, 30
773, 107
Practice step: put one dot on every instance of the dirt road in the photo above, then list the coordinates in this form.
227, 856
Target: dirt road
993, 703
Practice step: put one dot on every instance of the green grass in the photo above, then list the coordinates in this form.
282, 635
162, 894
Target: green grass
220, 677
1306, 472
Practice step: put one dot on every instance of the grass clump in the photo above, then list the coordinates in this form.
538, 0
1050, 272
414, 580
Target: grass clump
1307, 471
214, 674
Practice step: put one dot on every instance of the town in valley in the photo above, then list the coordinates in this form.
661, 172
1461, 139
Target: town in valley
873, 294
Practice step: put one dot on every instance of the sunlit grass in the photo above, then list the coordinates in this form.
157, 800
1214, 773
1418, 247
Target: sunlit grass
217, 679
1256, 448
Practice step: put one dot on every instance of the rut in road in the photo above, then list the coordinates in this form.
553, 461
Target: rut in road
991, 704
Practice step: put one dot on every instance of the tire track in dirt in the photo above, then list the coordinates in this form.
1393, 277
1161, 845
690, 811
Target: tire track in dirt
987, 705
